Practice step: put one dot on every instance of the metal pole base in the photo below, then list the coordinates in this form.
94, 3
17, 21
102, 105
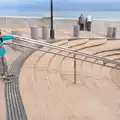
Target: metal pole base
52, 34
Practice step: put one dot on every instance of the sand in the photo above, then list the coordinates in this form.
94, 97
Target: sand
98, 26
46, 84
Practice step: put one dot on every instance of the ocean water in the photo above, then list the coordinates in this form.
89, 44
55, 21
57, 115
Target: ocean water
66, 14
65, 10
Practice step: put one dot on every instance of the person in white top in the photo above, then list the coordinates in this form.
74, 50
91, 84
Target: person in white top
88, 22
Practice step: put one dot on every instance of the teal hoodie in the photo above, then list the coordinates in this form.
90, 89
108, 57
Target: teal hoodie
2, 49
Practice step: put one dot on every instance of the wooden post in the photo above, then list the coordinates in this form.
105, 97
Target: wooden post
75, 68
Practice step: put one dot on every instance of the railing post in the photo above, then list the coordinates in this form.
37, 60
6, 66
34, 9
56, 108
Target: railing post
75, 67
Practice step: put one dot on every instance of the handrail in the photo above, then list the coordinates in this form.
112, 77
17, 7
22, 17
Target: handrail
59, 54
29, 40
68, 50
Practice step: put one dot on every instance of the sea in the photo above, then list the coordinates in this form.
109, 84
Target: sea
66, 10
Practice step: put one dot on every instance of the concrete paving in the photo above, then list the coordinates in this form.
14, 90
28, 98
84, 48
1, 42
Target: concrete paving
10, 56
48, 92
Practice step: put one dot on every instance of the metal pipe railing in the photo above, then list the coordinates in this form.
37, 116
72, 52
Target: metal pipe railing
29, 40
67, 50
59, 54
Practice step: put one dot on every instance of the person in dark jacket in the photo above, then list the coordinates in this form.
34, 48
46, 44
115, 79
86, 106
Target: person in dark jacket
81, 22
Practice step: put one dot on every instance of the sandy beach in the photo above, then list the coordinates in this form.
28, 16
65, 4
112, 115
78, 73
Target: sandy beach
46, 80
98, 26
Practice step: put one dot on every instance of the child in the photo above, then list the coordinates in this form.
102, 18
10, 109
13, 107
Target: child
3, 63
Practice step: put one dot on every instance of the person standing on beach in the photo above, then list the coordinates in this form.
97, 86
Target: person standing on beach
81, 22
88, 22
3, 62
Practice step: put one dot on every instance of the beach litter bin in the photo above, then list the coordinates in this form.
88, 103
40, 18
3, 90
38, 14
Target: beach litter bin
76, 30
111, 32
114, 32
45, 32
85, 25
35, 32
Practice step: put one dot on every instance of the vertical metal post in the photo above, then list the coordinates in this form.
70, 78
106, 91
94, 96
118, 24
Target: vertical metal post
75, 68
52, 30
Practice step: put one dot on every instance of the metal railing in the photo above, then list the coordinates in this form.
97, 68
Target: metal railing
60, 54
53, 46
65, 49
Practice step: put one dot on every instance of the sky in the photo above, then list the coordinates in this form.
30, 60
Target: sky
19, 1
22, 4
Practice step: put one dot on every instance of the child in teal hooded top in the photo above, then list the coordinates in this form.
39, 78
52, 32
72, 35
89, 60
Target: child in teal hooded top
2, 39
3, 52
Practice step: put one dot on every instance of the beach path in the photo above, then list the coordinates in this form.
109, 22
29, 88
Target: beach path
2, 101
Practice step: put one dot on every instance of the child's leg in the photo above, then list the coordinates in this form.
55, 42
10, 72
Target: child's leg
7, 75
5, 66
1, 67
